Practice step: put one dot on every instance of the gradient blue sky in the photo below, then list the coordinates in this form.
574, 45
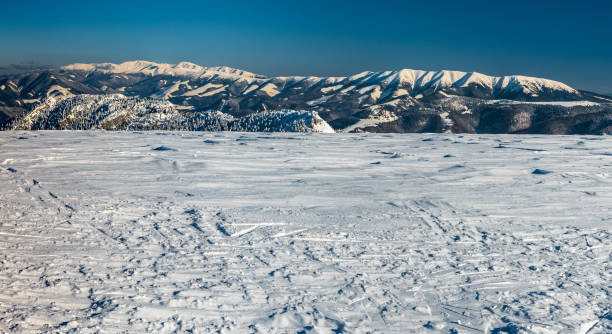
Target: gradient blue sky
570, 41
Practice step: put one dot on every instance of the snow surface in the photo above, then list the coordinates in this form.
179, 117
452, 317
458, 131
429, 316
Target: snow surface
285, 233
552, 103
167, 92
206, 90
269, 89
376, 118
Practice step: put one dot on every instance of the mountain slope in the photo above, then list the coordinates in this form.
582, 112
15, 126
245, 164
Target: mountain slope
118, 112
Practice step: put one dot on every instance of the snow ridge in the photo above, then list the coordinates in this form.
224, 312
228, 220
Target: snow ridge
151, 68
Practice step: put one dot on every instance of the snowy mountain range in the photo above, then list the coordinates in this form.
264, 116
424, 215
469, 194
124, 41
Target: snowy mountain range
390, 101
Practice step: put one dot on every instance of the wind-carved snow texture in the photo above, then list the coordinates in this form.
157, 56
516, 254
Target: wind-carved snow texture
285, 233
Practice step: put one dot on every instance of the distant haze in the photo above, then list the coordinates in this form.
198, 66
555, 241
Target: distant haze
568, 42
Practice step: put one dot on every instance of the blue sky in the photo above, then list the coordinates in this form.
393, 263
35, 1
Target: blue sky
570, 41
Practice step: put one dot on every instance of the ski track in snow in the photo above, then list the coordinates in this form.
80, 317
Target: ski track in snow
304, 232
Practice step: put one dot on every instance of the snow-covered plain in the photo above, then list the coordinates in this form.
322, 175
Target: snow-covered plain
234, 232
